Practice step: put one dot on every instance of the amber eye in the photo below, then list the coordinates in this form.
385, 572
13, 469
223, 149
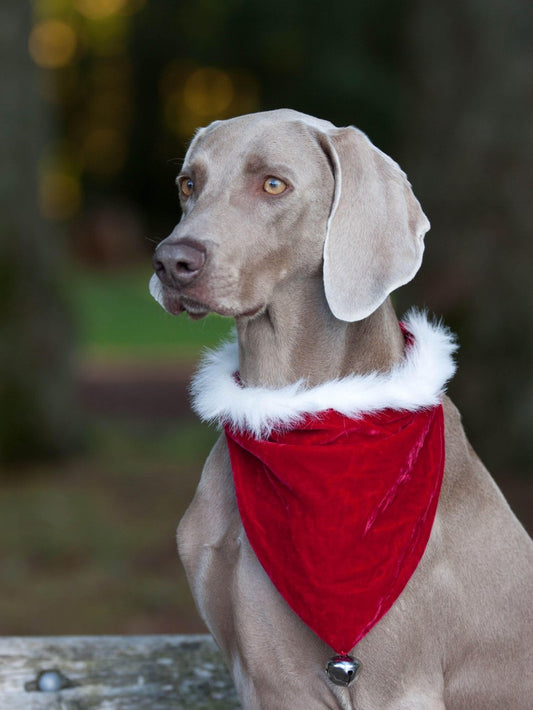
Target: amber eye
186, 186
274, 186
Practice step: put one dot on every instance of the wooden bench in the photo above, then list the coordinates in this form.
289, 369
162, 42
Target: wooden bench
114, 673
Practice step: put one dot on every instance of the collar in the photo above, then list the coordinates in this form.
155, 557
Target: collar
419, 381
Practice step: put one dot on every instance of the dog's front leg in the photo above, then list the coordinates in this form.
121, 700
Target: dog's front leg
276, 661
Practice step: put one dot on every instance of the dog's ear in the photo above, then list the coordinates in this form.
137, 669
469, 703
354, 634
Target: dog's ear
375, 234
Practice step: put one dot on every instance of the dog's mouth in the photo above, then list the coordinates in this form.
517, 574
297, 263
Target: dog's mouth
176, 302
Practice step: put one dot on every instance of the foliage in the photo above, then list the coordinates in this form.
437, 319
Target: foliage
117, 318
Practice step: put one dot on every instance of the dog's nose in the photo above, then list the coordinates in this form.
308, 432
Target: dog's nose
178, 264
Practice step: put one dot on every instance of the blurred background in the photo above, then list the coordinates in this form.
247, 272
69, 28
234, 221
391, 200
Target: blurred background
99, 452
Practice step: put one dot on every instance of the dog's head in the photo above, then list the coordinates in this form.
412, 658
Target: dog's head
275, 196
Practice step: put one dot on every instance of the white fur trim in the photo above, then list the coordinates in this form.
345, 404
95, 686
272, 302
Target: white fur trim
419, 381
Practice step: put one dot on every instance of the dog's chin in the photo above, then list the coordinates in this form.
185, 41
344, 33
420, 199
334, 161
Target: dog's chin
194, 309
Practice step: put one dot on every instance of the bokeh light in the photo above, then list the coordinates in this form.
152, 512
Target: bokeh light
104, 151
59, 194
52, 43
193, 96
208, 92
99, 9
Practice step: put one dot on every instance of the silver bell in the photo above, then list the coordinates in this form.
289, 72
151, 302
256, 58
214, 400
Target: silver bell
342, 670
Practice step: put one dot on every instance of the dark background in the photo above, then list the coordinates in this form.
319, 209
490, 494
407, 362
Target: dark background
97, 106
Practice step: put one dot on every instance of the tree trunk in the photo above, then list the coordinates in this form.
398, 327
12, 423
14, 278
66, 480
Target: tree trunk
469, 154
36, 414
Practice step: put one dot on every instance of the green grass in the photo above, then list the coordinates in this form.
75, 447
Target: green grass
89, 544
116, 317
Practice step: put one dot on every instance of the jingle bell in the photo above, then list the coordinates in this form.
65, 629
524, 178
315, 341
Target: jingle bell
343, 670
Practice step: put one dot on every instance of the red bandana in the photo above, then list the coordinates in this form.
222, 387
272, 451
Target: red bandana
339, 512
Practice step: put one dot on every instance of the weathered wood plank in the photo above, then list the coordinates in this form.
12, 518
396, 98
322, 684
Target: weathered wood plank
115, 673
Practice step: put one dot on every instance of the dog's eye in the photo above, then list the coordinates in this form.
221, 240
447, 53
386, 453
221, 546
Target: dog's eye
186, 186
274, 186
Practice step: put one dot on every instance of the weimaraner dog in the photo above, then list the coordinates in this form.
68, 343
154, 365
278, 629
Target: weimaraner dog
300, 230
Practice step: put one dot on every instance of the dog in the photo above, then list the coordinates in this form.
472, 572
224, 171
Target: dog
300, 231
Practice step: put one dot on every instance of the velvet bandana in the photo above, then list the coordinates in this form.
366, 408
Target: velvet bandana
338, 506
339, 512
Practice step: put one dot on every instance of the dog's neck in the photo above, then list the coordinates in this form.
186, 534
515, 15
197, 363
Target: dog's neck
299, 338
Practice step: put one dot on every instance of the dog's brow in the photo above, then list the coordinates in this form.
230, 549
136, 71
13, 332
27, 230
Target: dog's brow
260, 164
196, 169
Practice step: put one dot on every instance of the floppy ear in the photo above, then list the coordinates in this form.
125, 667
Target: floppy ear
375, 234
